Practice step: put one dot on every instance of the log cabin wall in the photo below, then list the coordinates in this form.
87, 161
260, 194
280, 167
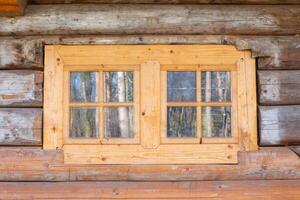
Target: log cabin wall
270, 29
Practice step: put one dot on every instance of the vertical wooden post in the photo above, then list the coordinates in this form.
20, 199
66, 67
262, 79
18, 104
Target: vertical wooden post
150, 104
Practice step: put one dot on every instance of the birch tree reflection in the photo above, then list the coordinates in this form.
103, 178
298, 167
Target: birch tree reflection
216, 87
118, 120
83, 121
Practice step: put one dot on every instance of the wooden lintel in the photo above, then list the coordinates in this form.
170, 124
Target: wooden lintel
11, 8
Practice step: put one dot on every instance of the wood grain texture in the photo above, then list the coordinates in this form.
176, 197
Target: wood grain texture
279, 125
274, 52
279, 87
10, 8
296, 149
35, 164
239, 190
170, 1
21, 88
154, 19
20, 126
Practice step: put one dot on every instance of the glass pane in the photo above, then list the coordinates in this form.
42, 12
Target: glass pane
83, 122
216, 121
83, 86
215, 86
181, 121
181, 86
118, 86
118, 122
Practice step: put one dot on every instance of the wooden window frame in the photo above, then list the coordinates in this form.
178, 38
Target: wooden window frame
149, 62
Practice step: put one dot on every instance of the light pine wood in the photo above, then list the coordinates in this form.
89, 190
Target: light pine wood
150, 104
150, 146
53, 99
164, 154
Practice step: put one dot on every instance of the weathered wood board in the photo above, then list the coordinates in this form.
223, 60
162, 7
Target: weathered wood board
279, 87
35, 164
225, 190
154, 19
20, 126
21, 88
279, 125
171, 1
273, 52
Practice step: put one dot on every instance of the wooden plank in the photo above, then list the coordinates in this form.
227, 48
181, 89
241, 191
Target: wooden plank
150, 107
10, 8
239, 190
154, 19
35, 164
149, 154
282, 52
279, 87
21, 88
279, 125
296, 149
20, 126
170, 1
53, 100
272, 2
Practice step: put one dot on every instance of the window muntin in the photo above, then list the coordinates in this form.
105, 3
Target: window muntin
149, 138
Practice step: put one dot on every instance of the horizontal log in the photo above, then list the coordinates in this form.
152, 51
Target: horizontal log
279, 87
10, 8
279, 125
35, 164
239, 190
20, 126
171, 1
296, 149
154, 19
282, 52
21, 88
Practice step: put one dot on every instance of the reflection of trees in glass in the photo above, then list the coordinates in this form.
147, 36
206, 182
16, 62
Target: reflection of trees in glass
181, 121
113, 126
216, 121
83, 86
181, 86
83, 89
83, 122
118, 88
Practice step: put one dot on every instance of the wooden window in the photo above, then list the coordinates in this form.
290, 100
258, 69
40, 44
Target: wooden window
149, 104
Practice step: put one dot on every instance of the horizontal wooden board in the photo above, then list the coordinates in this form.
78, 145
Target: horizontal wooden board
10, 8
279, 87
154, 19
20, 126
225, 190
296, 149
21, 88
163, 154
171, 1
279, 125
282, 52
35, 164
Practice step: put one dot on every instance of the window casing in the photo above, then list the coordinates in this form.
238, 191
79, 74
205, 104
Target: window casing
170, 103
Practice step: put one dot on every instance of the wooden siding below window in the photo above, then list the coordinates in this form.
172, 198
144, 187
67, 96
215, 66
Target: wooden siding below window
35, 164
225, 190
